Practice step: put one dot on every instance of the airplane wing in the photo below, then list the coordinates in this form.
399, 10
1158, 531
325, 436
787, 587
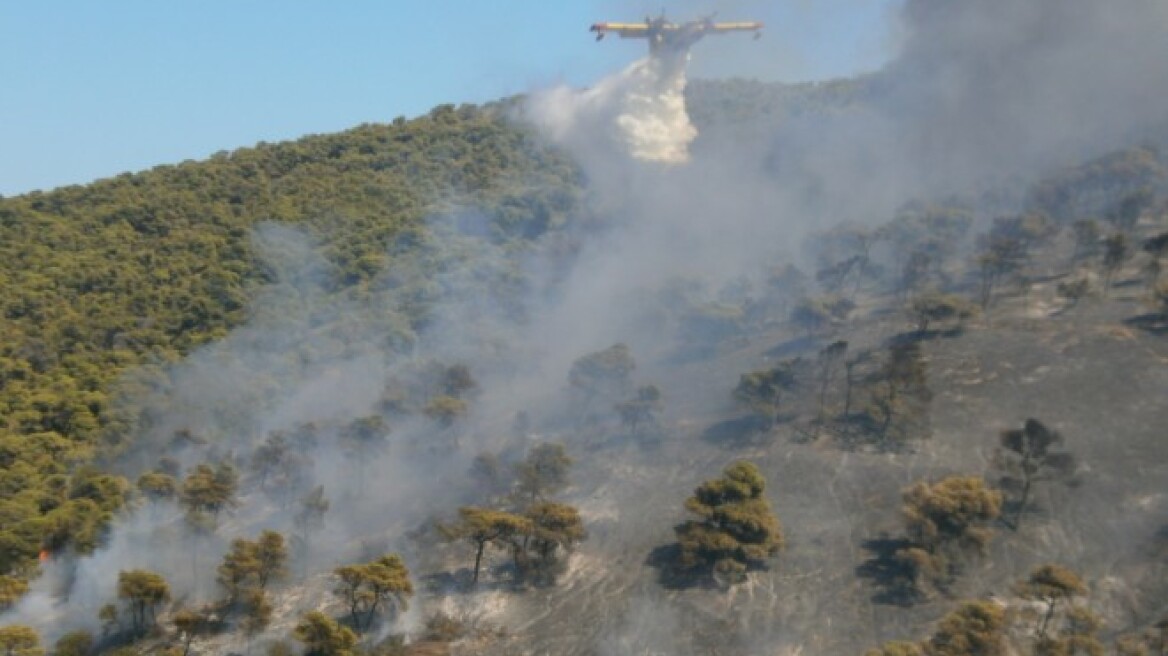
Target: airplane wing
623, 30
752, 26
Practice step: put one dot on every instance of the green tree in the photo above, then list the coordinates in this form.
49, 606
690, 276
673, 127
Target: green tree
110, 620
543, 472
1050, 584
640, 410
253, 564
11, 590
762, 391
944, 521
976, 628
309, 516
445, 409
257, 612
76, 523
272, 557
554, 528
281, 648
74, 643
188, 624
157, 486
897, 648
1053, 585
492, 480
483, 526
143, 592
210, 490
900, 396
603, 374
845, 251
1006, 250
19, 640
1078, 637
384, 582
1030, 455
736, 530
322, 636
1000, 257
458, 382
239, 564
1093, 187
270, 457
929, 233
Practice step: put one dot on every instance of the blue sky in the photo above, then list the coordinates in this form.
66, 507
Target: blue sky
90, 89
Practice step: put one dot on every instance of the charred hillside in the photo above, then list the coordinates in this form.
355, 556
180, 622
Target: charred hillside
827, 367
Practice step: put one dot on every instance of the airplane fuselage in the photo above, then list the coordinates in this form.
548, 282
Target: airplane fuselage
672, 39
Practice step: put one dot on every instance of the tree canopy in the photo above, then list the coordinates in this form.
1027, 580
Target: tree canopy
603, 373
944, 522
143, 591
736, 531
135, 271
379, 584
323, 636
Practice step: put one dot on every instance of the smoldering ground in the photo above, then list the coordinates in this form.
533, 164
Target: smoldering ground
305, 359
982, 94
983, 97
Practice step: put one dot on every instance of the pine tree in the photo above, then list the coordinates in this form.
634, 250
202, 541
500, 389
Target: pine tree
737, 530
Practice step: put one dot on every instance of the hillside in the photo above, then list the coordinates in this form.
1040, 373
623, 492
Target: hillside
142, 268
352, 339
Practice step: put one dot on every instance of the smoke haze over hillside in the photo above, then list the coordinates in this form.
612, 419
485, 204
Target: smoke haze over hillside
983, 94
1000, 88
640, 110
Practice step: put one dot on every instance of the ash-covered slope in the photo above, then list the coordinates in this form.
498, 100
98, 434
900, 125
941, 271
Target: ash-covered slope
1086, 372
429, 345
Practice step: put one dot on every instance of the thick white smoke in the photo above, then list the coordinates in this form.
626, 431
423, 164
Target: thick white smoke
971, 95
641, 109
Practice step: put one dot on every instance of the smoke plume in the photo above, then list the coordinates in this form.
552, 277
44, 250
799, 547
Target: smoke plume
983, 94
641, 109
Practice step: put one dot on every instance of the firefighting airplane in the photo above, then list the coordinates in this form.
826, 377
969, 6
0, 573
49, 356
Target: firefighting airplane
666, 38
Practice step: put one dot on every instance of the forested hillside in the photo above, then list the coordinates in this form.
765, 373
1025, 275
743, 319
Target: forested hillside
718, 104
144, 267
876, 389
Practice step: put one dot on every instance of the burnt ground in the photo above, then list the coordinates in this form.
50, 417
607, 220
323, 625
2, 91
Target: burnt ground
1087, 371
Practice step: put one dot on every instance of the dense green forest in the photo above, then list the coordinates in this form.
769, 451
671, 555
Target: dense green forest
142, 268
